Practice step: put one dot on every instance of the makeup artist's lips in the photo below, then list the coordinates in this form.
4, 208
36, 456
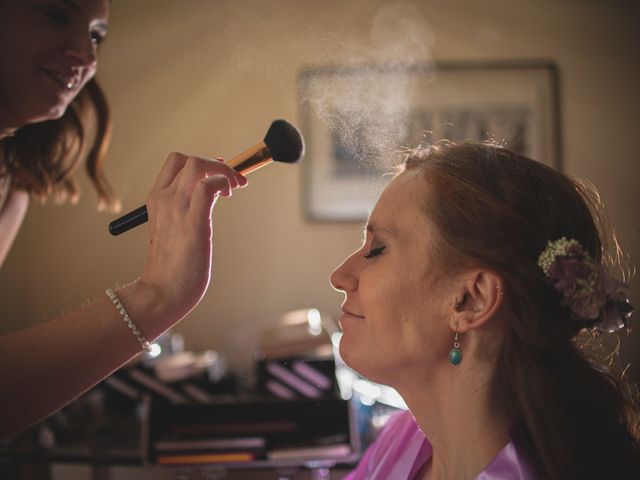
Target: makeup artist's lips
66, 81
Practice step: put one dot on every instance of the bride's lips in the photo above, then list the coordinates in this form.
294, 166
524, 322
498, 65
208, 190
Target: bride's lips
350, 314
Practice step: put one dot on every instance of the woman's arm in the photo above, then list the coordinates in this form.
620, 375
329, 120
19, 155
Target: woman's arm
44, 367
11, 217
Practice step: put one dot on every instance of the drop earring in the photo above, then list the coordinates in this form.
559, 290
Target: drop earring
455, 354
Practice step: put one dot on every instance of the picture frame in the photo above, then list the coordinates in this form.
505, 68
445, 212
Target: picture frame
358, 121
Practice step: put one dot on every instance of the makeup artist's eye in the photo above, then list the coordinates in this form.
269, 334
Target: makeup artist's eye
57, 15
374, 252
97, 37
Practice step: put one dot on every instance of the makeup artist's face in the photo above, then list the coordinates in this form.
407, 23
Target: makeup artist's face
48, 51
395, 309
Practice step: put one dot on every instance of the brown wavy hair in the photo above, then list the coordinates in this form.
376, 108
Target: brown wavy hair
573, 412
42, 157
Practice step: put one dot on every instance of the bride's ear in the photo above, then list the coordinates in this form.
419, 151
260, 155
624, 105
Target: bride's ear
479, 296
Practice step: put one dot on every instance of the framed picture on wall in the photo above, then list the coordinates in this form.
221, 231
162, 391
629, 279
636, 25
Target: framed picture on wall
359, 120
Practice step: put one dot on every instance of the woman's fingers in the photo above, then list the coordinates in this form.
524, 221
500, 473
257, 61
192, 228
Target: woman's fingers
180, 176
197, 169
177, 179
204, 197
172, 166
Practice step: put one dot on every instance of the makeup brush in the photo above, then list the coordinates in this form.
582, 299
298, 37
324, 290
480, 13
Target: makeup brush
282, 143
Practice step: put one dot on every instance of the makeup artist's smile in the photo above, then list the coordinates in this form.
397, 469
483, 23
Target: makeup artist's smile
67, 81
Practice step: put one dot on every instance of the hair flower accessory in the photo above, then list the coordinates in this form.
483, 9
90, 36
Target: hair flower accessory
590, 293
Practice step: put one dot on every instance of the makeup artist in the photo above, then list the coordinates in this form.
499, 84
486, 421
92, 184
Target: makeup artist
48, 96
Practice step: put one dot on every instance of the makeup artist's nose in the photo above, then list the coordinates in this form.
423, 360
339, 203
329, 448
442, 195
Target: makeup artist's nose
344, 277
83, 51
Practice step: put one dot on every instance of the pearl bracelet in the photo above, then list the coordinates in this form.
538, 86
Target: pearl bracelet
146, 346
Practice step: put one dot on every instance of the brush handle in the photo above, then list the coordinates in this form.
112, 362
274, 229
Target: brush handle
128, 221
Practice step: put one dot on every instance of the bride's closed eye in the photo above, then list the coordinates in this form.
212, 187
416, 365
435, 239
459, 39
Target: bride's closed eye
374, 252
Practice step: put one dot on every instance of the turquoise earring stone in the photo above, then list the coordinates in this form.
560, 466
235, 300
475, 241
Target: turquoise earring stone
455, 356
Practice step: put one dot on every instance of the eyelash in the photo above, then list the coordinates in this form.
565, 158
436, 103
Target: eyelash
374, 252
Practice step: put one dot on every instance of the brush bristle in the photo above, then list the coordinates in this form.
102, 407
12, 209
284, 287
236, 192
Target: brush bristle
284, 141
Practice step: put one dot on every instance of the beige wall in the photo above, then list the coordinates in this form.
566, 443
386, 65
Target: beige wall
208, 77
